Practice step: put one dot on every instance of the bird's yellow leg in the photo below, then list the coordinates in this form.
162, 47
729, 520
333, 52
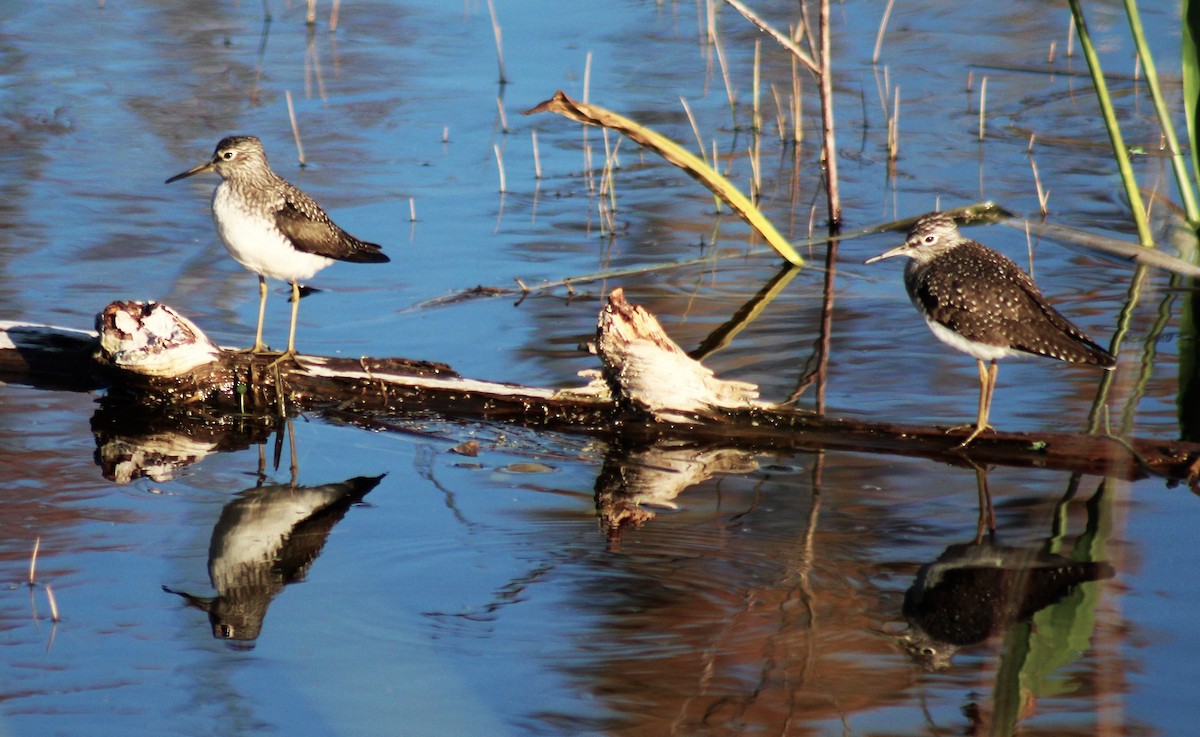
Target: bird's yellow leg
259, 346
290, 353
987, 385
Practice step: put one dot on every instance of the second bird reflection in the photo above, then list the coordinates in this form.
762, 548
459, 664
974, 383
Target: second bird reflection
265, 539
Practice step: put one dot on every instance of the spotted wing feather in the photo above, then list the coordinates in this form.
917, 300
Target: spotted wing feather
985, 297
311, 230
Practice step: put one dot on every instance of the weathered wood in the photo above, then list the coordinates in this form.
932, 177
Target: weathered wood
162, 364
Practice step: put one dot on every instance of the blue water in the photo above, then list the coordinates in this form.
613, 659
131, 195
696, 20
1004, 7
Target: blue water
482, 595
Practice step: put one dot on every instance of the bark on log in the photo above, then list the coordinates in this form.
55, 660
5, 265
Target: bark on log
648, 391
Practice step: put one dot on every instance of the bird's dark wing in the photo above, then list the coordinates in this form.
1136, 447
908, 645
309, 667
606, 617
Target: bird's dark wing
310, 230
989, 299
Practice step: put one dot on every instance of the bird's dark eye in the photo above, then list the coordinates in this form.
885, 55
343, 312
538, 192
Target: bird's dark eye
930, 239
227, 155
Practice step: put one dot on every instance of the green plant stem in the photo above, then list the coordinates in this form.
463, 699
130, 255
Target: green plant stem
1114, 128
1186, 193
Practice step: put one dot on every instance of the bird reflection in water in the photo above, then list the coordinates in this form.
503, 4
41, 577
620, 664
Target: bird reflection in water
979, 589
266, 538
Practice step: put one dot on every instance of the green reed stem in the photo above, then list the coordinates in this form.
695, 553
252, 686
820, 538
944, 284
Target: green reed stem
1186, 193
1114, 128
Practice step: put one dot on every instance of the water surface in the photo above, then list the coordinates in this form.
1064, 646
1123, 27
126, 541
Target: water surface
492, 595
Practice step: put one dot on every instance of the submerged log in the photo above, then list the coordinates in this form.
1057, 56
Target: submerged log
647, 391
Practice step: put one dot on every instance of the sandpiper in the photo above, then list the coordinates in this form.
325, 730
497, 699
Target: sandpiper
271, 227
981, 303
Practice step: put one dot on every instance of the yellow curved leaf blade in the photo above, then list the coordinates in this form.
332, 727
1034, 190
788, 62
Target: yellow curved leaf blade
677, 155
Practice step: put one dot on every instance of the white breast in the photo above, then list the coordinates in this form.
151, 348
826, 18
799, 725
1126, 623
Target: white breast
256, 244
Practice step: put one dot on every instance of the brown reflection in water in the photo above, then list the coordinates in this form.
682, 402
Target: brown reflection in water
728, 627
771, 632
633, 482
976, 590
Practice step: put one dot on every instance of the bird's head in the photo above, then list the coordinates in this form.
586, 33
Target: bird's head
234, 157
931, 235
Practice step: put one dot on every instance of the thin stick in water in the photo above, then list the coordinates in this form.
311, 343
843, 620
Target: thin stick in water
728, 82
695, 129
887, 12
333, 15
1029, 247
37, 544
780, 115
1042, 195
894, 127
797, 114
53, 604
587, 75
412, 210
756, 122
295, 128
500, 165
537, 159
982, 104
499, 41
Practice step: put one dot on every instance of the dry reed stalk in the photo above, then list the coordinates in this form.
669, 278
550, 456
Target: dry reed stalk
587, 75
499, 41
1029, 248
884, 92
829, 143
894, 127
445, 134
1070, 37
608, 194
687, 109
756, 122
755, 152
333, 15
797, 116
715, 163
729, 93
780, 115
310, 17
37, 544
53, 604
1042, 195
500, 166
590, 176
887, 13
537, 159
295, 128
412, 210
1053, 48
982, 104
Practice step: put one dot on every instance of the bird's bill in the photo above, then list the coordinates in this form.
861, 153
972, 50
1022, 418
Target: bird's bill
206, 166
899, 250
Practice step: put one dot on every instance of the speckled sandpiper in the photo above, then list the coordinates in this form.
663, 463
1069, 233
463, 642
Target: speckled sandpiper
980, 302
271, 227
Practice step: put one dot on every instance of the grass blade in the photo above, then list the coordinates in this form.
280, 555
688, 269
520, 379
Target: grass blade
677, 155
